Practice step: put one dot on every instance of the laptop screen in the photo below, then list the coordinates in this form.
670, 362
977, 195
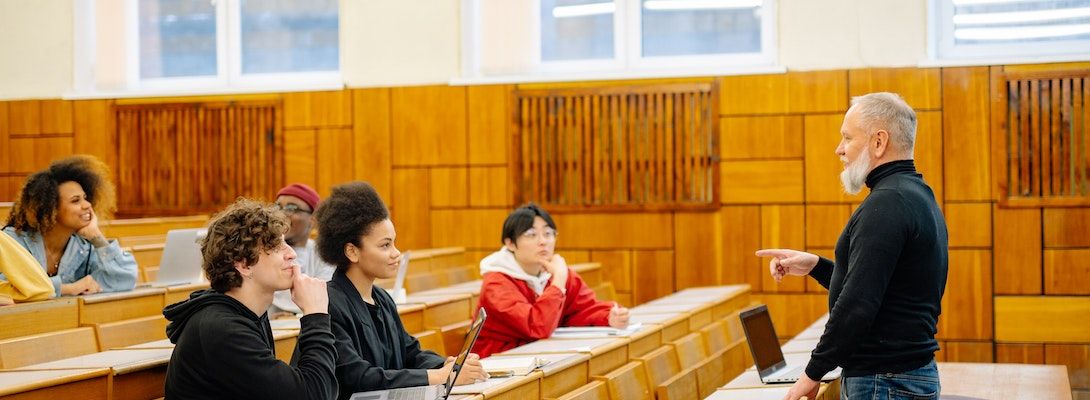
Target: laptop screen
471, 338
761, 336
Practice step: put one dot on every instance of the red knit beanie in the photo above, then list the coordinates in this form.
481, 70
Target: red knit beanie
303, 192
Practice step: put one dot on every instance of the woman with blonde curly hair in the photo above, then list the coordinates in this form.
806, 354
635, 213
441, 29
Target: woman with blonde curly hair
56, 217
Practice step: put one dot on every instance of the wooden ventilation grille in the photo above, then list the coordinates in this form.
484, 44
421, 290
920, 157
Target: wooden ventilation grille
618, 148
188, 158
1042, 120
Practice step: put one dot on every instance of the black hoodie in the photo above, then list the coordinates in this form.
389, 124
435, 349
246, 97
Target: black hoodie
223, 351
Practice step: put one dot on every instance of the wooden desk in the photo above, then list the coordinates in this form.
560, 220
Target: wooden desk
285, 324
39, 317
563, 373
512, 388
284, 344
412, 316
137, 374
799, 346
110, 307
724, 301
769, 393
85, 383
178, 293
966, 381
606, 354
443, 310
673, 325
158, 344
699, 314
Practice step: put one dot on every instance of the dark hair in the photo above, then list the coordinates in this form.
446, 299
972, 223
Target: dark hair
237, 234
522, 219
36, 205
344, 217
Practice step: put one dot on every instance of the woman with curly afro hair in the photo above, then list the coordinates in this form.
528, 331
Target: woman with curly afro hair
56, 217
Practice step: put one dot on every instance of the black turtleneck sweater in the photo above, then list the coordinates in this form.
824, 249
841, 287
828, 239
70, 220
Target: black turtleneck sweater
886, 285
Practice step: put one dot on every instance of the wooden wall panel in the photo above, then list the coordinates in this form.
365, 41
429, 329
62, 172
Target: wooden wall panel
965, 351
782, 227
616, 231
476, 228
1067, 227
411, 212
56, 116
653, 274
371, 137
753, 94
24, 117
969, 224
967, 302
431, 125
756, 182
1077, 359
9, 189
449, 187
741, 238
92, 132
920, 87
335, 160
31, 154
318, 109
928, 151
743, 138
817, 91
822, 165
824, 223
1017, 238
618, 267
1020, 353
1067, 271
966, 99
5, 164
300, 157
791, 313
1049, 319
488, 187
697, 254
488, 122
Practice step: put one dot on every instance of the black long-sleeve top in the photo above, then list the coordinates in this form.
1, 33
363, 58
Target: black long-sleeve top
374, 351
224, 351
886, 287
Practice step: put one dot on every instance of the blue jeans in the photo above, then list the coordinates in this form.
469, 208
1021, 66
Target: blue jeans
917, 384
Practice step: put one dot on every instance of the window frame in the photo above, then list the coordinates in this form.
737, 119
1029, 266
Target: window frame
941, 45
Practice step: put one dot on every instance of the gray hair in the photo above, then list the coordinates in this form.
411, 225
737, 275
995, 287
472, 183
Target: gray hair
888, 111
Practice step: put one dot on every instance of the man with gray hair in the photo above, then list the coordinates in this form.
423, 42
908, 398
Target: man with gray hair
886, 285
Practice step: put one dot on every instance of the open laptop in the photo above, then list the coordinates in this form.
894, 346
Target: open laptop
181, 260
433, 392
765, 347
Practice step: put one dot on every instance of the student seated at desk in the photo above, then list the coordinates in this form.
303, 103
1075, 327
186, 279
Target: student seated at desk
373, 349
528, 290
24, 279
56, 218
223, 341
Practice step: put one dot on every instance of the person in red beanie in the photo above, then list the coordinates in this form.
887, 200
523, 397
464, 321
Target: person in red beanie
298, 201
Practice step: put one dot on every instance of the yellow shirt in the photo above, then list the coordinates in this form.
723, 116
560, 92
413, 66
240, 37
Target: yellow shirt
23, 279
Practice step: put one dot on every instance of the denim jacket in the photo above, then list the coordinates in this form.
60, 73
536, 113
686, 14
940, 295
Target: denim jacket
114, 270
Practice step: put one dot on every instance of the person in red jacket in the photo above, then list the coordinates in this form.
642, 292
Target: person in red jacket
528, 290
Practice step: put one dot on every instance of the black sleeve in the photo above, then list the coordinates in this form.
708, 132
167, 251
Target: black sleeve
357, 374
877, 238
414, 356
823, 272
243, 357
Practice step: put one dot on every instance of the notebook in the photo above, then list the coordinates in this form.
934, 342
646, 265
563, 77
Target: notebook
765, 347
433, 392
499, 367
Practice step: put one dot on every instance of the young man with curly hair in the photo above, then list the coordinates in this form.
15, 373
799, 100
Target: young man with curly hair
223, 340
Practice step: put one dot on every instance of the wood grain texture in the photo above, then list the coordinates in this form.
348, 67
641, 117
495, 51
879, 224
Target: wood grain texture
32, 154
653, 274
56, 116
1067, 227
300, 157
616, 230
430, 125
1017, 238
793, 92
488, 121
697, 255
1048, 319
335, 164
757, 182
1067, 271
371, 139
318, 109
824, 223
760, 137
24, 117
488, 187
1020, 353
969, 224
920, 87
793, 312
5, 162
929, 152
92, 132
410, 208
822, 165
449, 187
1077, 359
965, 97
967, 303
782, 227
965, 351
741, 238
617, 267
476, 228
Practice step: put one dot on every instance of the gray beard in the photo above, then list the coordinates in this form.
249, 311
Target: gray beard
855, 176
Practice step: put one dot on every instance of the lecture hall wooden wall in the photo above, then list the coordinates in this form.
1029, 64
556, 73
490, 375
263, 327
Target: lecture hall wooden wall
1019, 282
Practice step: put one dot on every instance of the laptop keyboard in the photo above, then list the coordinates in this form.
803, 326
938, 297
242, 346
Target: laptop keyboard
792, 374
415, 393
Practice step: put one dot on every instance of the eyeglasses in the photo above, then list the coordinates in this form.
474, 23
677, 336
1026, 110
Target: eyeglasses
291, 209
549, 235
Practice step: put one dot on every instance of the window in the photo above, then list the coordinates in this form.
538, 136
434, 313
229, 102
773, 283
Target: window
547, 36
965, 29
232, 43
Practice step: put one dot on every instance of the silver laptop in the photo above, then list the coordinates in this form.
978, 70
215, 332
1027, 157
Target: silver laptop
765, 347
433, 392
181, 260
402, 269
